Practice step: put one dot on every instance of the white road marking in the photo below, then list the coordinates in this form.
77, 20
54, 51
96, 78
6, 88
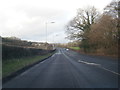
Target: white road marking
53, 55
88, 63
58, 53
66, 56
110, 71
25, 72
98, 65
43, 61
37, 65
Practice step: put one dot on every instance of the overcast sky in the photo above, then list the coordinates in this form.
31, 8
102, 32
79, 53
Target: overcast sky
26, 19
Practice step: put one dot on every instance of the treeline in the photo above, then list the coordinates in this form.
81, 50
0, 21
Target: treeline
16, 42
96, 33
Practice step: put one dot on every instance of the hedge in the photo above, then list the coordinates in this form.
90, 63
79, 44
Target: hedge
10, 52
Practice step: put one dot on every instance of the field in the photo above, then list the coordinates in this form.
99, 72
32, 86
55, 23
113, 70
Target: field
75, 48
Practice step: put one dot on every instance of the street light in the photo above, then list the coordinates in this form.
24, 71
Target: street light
46, 29
54, 41
46, 32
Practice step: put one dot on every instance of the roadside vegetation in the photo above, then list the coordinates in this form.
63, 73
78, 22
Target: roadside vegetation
11, 52
12, 65
75, 48
17, 54
96, 32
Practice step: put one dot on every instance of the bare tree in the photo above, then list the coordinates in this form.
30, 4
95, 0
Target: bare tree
80, 24
112, 9
96, 31
79, 27
104, 34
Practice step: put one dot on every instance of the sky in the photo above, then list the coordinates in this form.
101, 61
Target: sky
26, 19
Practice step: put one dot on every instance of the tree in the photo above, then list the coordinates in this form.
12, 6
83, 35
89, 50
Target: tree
105, 31
81, 23
79, 27
73, 44
104, 34
13, 38
112, 9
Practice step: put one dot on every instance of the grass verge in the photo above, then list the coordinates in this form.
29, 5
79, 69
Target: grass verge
10, 66
75, 48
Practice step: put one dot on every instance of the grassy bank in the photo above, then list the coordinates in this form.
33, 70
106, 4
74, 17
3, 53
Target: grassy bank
75, 48
99, 52
10, 66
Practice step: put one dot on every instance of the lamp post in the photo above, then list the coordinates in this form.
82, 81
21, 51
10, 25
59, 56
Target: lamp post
54, 41
46, 32
46, 29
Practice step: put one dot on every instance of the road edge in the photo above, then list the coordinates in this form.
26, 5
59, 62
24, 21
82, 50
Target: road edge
18, 72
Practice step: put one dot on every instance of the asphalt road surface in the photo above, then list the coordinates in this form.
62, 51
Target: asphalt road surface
68, 69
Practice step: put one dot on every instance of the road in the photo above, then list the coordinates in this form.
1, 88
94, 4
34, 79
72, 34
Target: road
68, 69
